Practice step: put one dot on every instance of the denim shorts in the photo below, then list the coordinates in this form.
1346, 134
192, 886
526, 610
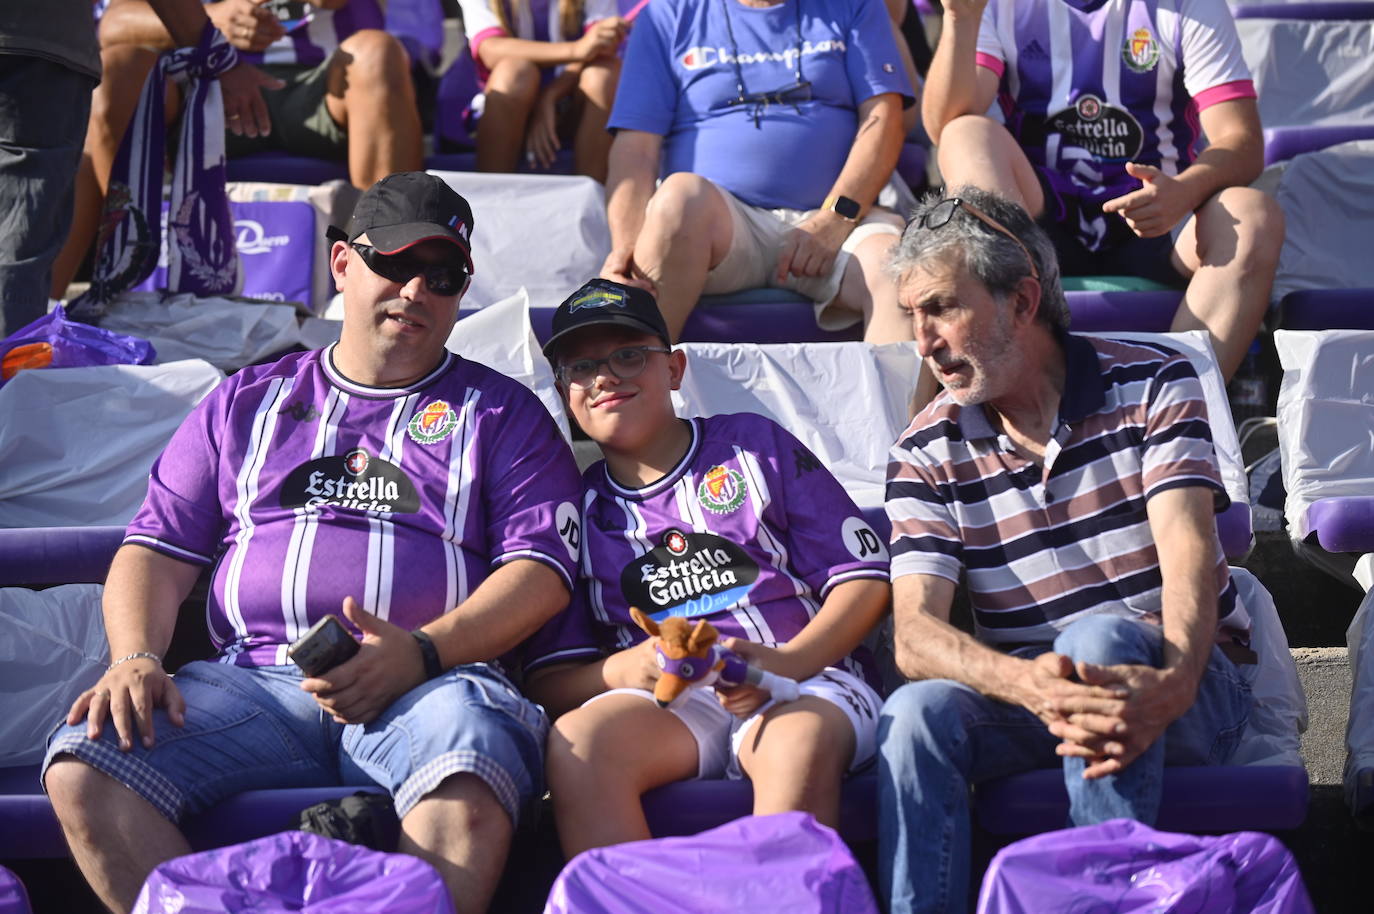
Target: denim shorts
254, 728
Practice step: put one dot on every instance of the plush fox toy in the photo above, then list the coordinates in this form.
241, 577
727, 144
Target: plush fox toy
689, 656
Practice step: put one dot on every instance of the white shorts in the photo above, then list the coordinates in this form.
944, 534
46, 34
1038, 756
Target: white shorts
757, 238
719, 734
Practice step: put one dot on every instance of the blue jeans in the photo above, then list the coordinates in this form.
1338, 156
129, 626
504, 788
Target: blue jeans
937, 737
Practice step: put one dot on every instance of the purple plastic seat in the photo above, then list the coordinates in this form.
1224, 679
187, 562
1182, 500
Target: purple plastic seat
1196, 799
1282, 143
1328, 309
1343, 524
1107, 312
688, 807
13, 897
284, 168
33, 556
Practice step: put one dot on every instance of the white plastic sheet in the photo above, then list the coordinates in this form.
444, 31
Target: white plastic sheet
501, 337
226, 333
53, 649
1310, 72
1279, 714
545, 233
847, 402
1326, 418
1328, 205
77, 443
1359, 642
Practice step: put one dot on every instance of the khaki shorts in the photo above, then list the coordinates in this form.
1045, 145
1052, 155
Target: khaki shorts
301, 124
758, 237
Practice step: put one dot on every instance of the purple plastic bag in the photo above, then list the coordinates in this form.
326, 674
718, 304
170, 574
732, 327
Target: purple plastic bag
294, 871
13, 898
785, 862
52, 341
1123, 867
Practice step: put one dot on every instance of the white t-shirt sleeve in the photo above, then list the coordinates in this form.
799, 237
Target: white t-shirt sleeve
1211, 48
989, 46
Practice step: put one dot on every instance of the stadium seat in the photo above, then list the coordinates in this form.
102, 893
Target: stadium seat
1283, 143
688, 807
1327, 309
284, 168
13, 897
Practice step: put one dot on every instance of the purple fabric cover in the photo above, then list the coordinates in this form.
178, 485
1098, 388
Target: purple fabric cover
283, 168
785, 862
1121, 867
294, 872
277, 244
13, 898
1196, 798
1343, 524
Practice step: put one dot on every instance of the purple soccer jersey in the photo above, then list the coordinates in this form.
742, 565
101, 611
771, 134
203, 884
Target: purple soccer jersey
312, 34
304, 487
1086, 92
749, 531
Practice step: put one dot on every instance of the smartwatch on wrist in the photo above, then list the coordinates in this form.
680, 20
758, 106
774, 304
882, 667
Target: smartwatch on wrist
846, 208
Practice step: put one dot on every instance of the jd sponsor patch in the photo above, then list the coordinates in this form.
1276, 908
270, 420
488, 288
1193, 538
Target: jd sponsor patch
690, 574
433, 423
354, 480
1109, 133
722, 490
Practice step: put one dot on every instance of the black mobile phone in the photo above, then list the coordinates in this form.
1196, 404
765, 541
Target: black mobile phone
326, 645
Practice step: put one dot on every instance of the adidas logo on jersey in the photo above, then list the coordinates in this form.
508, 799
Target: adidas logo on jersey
1034, 51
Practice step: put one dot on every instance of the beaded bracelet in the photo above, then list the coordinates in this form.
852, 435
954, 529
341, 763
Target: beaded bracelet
136, 655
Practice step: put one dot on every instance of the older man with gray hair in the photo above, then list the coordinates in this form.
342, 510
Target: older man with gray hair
1072, 481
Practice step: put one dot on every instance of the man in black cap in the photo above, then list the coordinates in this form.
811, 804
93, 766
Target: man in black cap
428, 498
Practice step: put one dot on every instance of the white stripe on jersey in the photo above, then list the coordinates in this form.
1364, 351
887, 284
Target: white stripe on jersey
1062, 57
457, 495
381, 541
776, 548
636, 533
295, 580
1113, 33
245, 494
1166, 26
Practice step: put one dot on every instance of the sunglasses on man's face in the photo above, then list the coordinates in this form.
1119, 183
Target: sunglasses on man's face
444, 278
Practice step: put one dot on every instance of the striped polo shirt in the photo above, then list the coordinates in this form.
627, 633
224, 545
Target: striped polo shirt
303, 487
1043, 548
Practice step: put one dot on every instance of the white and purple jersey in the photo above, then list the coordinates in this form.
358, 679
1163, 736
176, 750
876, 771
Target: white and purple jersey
313, 34
1086, 92
532, 20
685, 63
304, 487
749, 531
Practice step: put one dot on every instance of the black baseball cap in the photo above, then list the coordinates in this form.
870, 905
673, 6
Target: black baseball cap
406, 208
603, 301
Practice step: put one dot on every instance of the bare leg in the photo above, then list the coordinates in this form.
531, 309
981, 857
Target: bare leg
126, 68
687, 231
976, 150
601, 760
865, 287
1231, 249
796, 757
464, 832
592, 142
371, 97
116, 836
511, 92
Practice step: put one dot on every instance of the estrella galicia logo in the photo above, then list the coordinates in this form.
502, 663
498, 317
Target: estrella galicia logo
690, 574
354, 480
253, 240
1109, 133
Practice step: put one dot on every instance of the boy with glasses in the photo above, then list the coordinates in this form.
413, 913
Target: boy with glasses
728, 519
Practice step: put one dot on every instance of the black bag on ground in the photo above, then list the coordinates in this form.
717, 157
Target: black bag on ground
366, 819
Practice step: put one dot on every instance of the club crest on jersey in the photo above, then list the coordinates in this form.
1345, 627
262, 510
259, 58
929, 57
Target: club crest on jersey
1140, 51
433, 423
722, 490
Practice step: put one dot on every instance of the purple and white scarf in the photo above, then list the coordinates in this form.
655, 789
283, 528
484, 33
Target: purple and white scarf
201, 254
